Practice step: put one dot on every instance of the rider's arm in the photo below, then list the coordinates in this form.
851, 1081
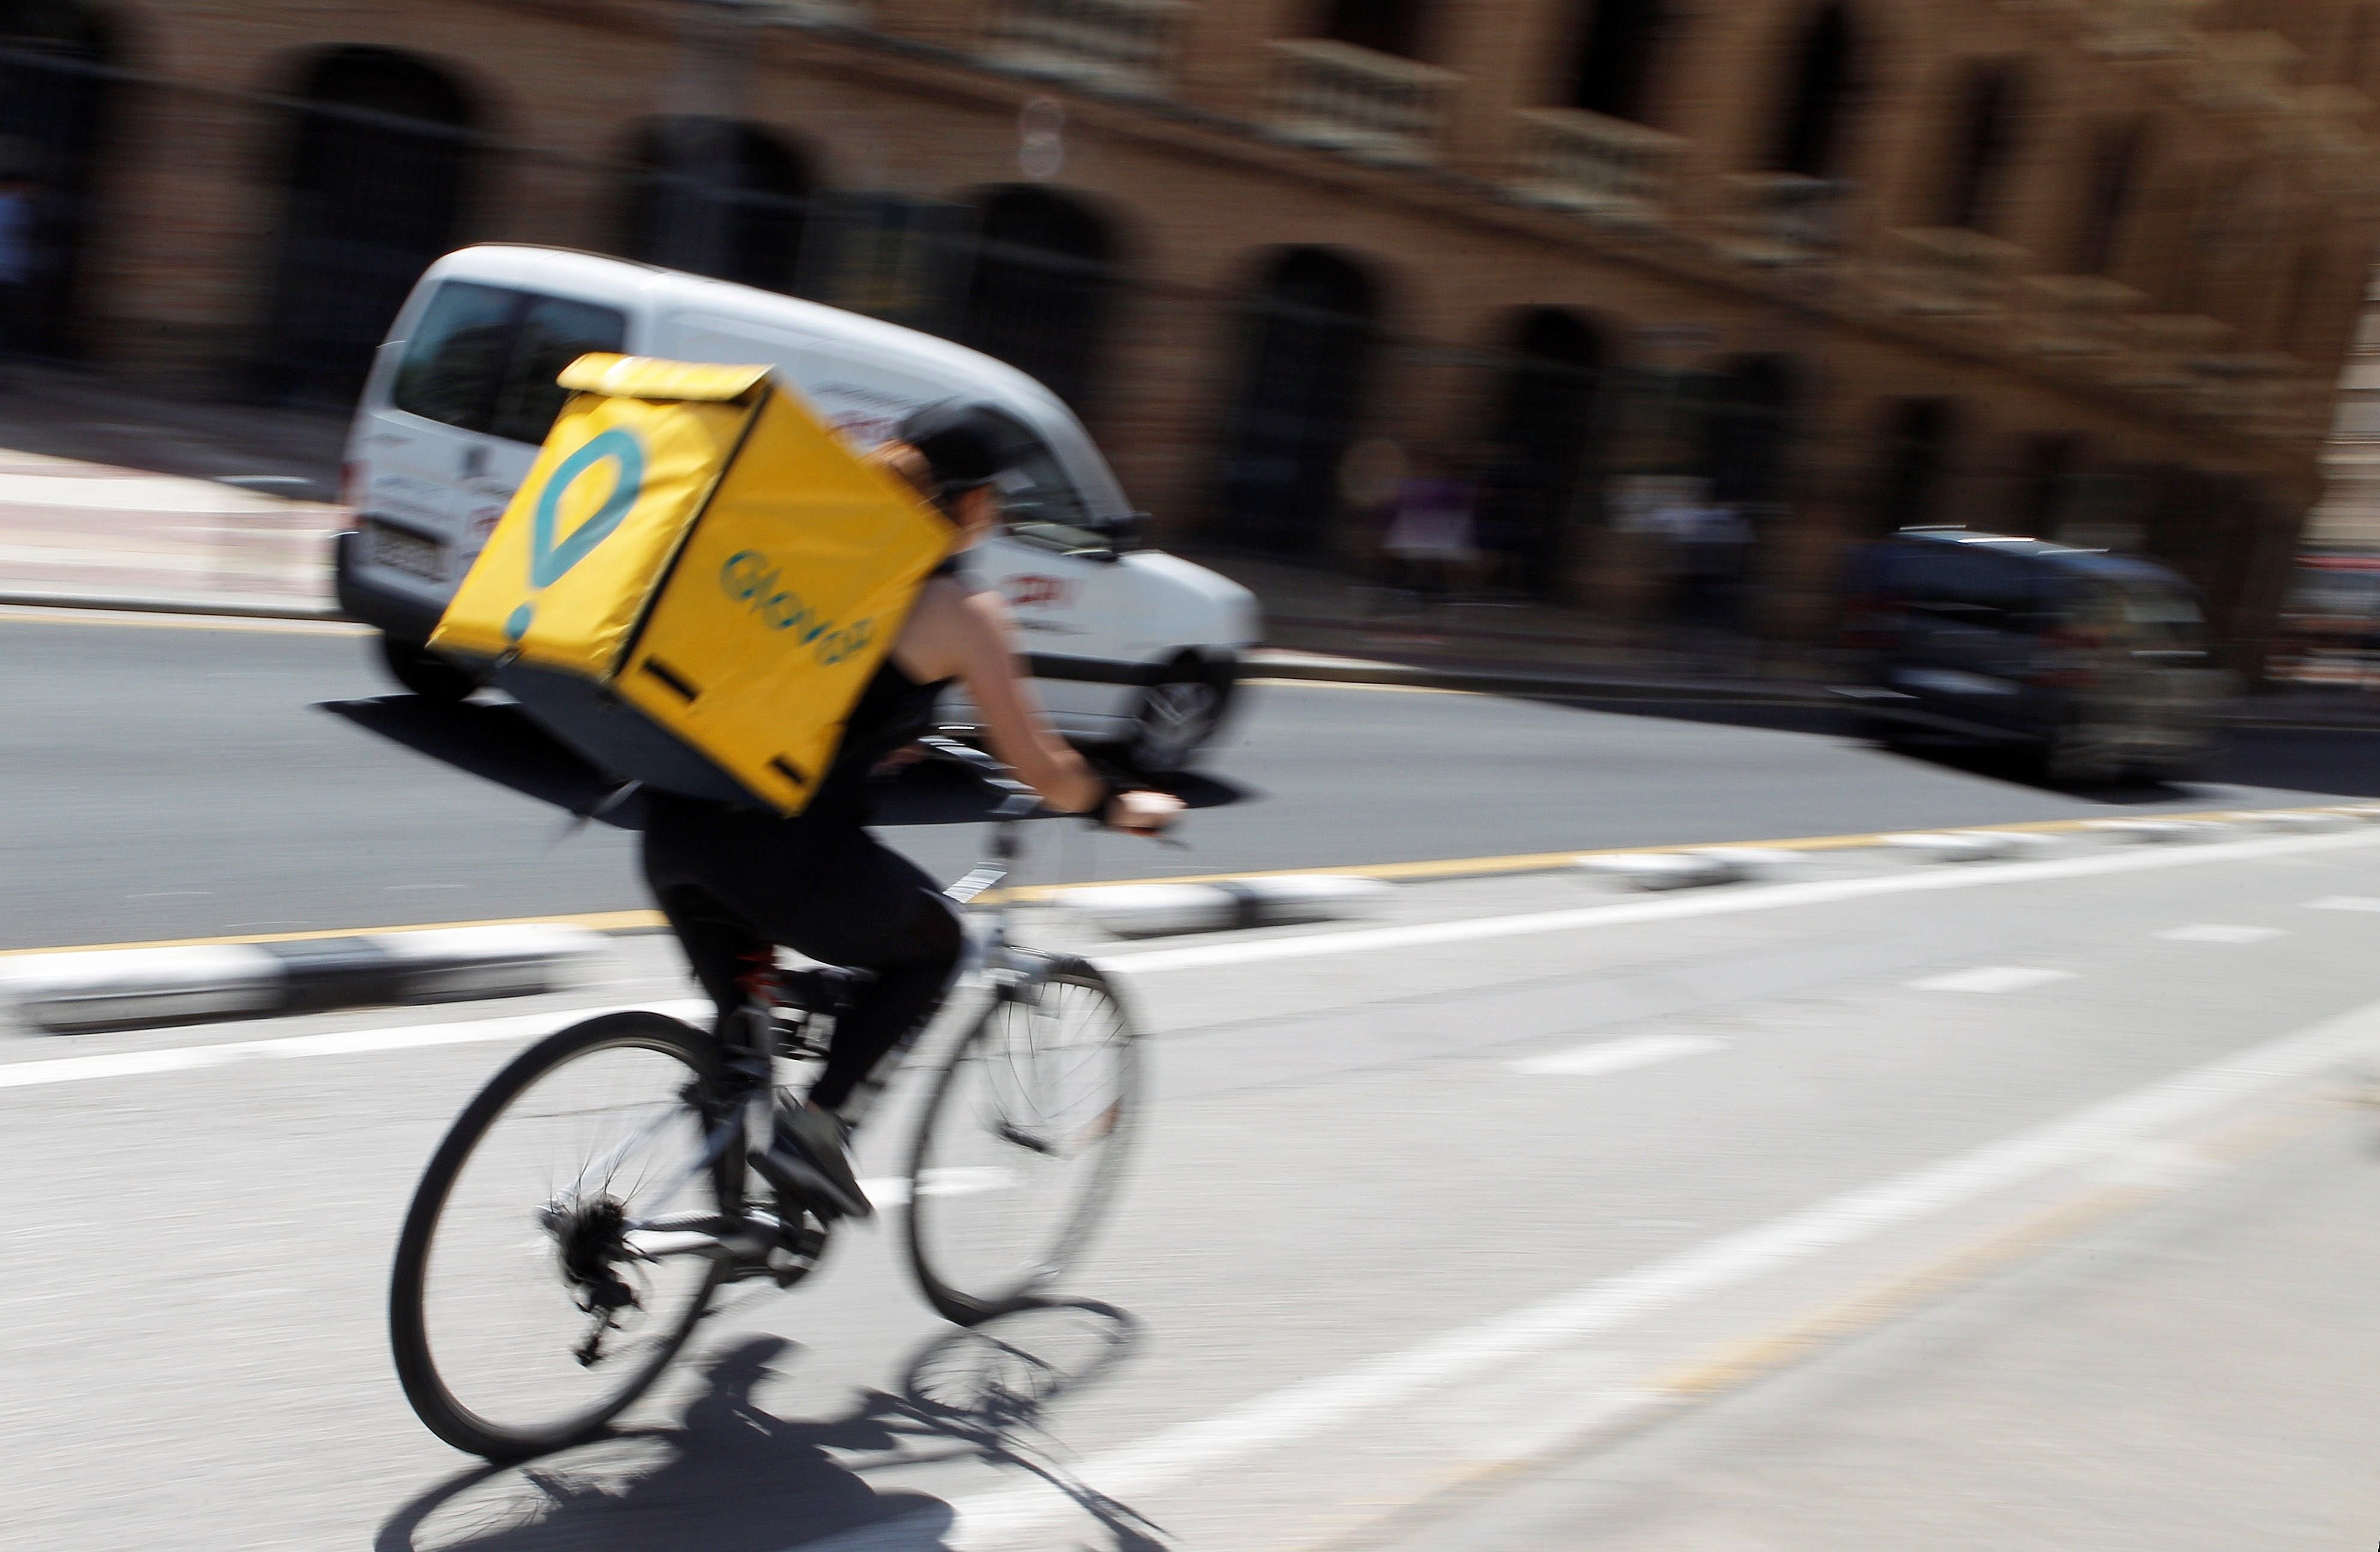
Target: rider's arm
965, 635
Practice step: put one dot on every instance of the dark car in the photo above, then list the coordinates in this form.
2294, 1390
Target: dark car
2094, 664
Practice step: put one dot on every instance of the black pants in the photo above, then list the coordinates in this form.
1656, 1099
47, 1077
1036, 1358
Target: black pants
732, 882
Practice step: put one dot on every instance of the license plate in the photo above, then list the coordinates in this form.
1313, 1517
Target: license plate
408, 552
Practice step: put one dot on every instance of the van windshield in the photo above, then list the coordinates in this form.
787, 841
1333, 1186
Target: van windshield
484, 358
2165, 615
1038, 503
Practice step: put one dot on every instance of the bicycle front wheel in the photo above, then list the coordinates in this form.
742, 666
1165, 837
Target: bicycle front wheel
523, 1314
1021, 1144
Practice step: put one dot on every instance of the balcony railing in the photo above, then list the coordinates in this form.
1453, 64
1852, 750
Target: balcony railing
1586, 162
1368, 104
1951, 272
1120, 45
1783, 218
2079, 315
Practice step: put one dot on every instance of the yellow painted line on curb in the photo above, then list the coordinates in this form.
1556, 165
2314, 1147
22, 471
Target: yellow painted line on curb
598, 921
1393, 872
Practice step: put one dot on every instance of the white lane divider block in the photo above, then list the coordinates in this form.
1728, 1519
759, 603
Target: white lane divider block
1669, 870
1992, 977
1971, 845
1616, 1055
2154, 832
1160, 910
2344, 903
2218, 932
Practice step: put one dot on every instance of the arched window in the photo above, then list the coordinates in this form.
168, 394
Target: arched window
53, 107
1982, 136
1310, 333
1038, 295
1917, 436
375, 185
1819, 98
714, 197
2114, 177
1540, 448
1618, 48
1386, 26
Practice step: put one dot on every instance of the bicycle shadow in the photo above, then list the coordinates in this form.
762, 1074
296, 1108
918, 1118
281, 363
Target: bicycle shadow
730, 1477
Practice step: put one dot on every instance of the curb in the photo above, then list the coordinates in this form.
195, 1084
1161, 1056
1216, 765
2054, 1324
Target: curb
1161, 910
77, 993
237, 607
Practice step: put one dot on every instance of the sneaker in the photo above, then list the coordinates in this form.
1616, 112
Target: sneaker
807, 1162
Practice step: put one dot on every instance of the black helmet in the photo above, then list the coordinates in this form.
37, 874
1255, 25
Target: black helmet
966, 445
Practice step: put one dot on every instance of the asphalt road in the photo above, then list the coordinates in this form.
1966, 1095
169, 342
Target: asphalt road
2020, 1204
163, 779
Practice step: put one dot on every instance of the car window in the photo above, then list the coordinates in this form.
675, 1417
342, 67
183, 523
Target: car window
456, 359
554, 333
2166, 616
484, 358
1039, 504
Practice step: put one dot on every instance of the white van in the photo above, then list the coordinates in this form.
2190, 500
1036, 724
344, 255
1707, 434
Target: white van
1128, 644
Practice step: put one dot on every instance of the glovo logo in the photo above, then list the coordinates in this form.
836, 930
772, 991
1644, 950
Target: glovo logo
751, 578
548, 558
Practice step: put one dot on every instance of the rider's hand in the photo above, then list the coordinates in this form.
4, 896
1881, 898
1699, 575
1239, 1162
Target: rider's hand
1141, 813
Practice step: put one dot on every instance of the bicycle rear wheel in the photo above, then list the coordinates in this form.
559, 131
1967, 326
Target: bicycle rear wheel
1020, 1146
521, 1317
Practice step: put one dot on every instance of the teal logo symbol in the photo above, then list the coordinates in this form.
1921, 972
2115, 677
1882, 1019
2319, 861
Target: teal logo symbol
751, 578
548, 560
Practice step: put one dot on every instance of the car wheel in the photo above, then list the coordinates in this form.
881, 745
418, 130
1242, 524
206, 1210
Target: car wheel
1178, 714
425, 673
2078, 755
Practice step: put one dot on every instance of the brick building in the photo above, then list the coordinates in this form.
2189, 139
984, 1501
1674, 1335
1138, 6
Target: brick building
2082, 267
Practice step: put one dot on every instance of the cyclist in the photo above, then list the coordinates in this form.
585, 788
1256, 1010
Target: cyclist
733, 881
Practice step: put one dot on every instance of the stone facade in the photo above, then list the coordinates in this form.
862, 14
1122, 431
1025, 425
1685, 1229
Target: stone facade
2086, 267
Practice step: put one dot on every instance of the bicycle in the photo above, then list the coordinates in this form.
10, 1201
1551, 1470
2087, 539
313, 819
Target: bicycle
598, 1183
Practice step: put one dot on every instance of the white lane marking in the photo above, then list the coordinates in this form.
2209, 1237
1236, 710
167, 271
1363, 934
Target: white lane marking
2344, 903
1024, 1516
338, 1042
1992, 977
1312, 945
2217, 932
137, 493
1617, 1056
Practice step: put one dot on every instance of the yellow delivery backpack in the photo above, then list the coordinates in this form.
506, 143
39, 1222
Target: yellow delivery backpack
696, 581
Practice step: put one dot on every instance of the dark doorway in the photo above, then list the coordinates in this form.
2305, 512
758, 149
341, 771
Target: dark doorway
1038, 296
54, 97
1982, 138
1747, 433
1540, 452
1916, 451
1819, 98
2114, 173
1386, 26
1617, 50
714, 197
2052, 465
381, 154
1311, 332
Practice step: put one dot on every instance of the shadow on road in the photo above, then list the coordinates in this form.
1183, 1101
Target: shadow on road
2342, 762
499, 742
730, 1477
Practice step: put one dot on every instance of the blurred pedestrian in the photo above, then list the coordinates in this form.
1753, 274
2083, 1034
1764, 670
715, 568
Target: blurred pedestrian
1431, 538
1368, 479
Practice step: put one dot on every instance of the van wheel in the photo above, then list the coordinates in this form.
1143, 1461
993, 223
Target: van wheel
2076, 755
425, 673
1178, 714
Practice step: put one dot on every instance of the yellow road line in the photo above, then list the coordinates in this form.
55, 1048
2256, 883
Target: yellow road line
1443, 867
599, 921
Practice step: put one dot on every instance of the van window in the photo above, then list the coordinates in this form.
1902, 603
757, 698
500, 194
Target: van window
2166, 616
1038, 503
484, 358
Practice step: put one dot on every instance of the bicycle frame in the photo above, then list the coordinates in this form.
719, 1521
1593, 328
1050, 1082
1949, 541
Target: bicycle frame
760, 1031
